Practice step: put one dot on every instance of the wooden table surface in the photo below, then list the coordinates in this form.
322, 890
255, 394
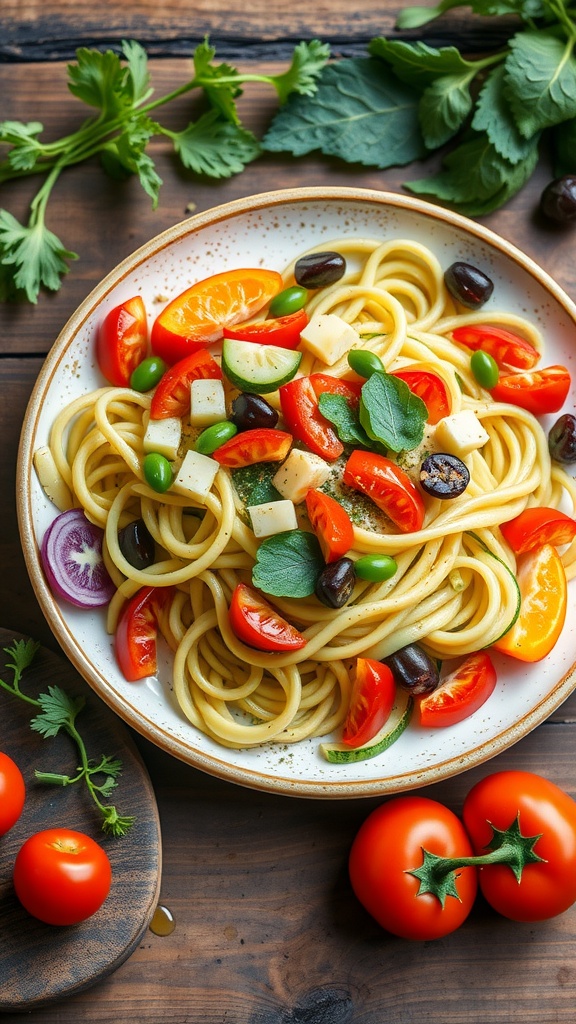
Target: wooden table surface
267, 929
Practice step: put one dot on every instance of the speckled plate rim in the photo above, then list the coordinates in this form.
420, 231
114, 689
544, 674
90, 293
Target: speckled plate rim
216, 763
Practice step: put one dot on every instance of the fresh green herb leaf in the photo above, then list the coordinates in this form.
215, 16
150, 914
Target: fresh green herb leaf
254, 483
100, 80
215, 147
288, 564
392, 414
415, 17
493, 116
58, 710
336, 409
444, 107
418, 64
38, 257
540, 80
139, 77
308, 60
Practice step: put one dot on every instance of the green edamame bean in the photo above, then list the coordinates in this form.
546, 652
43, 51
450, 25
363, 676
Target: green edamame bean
485, 369
364, 362
290, 300
147, 374
215, 435
157, 472
375, 568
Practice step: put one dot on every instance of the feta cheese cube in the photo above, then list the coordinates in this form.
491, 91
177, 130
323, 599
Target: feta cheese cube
328, 337
300, 472
207, 402
163, 436
460, 433
273, 517
196, 475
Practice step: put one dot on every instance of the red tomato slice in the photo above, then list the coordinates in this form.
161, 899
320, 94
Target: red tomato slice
331, 524
539, 392
198, 316
257, 624
262, 444
460, 693
537, 526
430, 388
122, 341
371, 701
305, 421
283, 331
389, 487
325, 383
172, 396
506, 349
137, 632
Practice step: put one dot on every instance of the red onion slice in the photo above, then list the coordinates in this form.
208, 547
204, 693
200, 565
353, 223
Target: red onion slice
72, 559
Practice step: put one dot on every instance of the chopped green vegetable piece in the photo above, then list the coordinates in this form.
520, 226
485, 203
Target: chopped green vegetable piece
391, 413
288, 564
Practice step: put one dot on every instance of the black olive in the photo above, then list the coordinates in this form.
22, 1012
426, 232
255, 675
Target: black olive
250, 411
137, 544
413, 669
319, 269
468, 285
558, 200
444, 476
562, 439
336, 583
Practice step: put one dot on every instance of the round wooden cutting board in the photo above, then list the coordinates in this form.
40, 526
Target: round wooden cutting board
40, 963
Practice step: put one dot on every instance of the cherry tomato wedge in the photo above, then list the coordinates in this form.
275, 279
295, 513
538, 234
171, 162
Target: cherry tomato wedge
389, 487
283, 331
430, 388
61, 876
122, 341
371, 701
172, 395
198, 316
506, 348
537, 526
460, 693
542, 810
539, 392
257, 623
12, 793
261, 444
388, 847
137, 632
304, 420
325, 383
542, 581
331, 524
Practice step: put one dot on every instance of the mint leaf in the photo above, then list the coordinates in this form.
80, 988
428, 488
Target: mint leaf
564, 146
360, 113
418, 64
392, 414
288, 564
336, 409
308, 60
36, 254
493, 115
215, 147
444, 107
540, 80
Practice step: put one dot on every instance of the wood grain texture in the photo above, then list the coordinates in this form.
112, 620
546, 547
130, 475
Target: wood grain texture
40, 963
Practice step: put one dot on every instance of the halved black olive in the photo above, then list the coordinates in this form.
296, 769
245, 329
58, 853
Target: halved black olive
444, 476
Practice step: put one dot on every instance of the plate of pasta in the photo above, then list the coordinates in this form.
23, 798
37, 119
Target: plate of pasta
293, 564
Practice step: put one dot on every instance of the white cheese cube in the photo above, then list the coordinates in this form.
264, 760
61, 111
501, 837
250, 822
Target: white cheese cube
328, 337
273, 517
460, 433
163, 436
207, 402
196, 475
300, 472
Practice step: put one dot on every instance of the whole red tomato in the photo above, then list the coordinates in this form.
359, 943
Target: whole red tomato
540, 810
389, 846
61, 876
12, 793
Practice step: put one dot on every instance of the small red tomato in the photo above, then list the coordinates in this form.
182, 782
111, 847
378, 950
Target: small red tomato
371, 701
430, 388
331, 524
460, 693
389, 487
283, 331
12, 793
538, 391
260, 444
172, 396
305, 421
506, 348
61, 876
258, 624
389, 847
537, 526
137, 632
122, 341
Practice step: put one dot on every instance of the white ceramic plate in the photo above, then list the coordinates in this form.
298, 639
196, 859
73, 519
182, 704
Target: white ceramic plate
269, 230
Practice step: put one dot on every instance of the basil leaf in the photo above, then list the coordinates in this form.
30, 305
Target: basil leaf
288, 564
336, 409
392, 414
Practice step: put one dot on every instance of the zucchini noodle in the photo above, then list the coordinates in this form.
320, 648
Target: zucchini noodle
454, 590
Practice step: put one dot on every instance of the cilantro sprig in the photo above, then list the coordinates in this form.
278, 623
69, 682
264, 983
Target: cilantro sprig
216, 144
58, 711
407, 99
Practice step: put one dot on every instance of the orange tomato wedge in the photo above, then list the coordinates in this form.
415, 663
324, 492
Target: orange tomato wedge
198, 315
543, 591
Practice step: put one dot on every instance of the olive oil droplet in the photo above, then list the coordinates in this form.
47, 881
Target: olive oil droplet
162, 922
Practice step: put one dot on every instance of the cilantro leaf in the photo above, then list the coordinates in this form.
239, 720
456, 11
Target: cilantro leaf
36, 254
137, 63
493, 115
100, 80
540, 80
336, 409
221, 82
215, 147
392, 414
23, 137
288, 564
360, 113
58, 711
131, 150
308, 59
